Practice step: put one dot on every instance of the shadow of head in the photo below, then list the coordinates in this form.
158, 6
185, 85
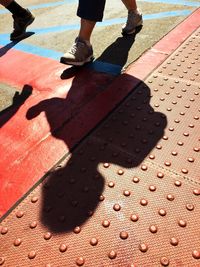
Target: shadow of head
18, 100
72, 191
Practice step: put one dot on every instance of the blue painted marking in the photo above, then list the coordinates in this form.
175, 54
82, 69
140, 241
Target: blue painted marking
5, 11
53, 4
109, 22
43, 52
147, 17
105, 67
59, 28
179, 2
45, 5
54, 55
168, 14
36, 50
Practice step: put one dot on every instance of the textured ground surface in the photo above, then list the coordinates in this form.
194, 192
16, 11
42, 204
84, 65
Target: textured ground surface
128, 194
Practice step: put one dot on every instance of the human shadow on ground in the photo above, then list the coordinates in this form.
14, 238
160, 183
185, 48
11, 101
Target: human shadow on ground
19, 99
117, 52
73, 190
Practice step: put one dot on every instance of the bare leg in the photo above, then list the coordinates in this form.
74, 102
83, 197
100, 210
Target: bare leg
130, 4
15, 8
86, 29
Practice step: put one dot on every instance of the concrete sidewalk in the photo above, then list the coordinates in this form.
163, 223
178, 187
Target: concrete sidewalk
124, 189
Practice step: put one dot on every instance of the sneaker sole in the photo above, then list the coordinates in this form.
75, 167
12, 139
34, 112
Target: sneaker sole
74, 63
23, 34
140, 23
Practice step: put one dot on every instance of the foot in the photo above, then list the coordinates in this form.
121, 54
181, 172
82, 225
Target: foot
20, 24
134, 20
79, 54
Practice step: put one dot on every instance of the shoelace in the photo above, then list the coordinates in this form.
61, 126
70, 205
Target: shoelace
75, 47
130, 19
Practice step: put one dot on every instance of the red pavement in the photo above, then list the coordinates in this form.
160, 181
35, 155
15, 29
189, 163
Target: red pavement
26, 137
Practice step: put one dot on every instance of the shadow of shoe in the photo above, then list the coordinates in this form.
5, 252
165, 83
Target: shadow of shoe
137, 30
10, 45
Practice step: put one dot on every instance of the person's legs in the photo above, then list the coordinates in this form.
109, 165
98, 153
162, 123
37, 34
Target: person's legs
22, 18
81, 52
86, 29
13, 7
90, 12
5, 3
134, 18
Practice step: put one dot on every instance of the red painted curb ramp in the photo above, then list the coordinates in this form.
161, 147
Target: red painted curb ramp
27, 136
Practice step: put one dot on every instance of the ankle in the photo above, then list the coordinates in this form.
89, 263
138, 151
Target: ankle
134, 11
84, 40
16, 9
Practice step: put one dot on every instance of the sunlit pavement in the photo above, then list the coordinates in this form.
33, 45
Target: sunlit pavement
56, 26
117, 153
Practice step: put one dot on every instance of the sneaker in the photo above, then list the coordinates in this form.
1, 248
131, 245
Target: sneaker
134, 20
20, 24
79, 54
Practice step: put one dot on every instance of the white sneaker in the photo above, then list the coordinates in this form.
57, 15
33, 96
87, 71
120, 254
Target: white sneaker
134, 20
79, 54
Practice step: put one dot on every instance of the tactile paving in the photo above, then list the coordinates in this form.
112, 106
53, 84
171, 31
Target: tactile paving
128, 195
